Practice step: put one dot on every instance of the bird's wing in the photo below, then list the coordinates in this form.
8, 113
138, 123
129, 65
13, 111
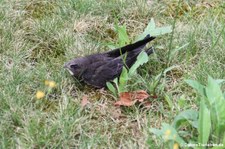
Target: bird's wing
139, 44
99, 73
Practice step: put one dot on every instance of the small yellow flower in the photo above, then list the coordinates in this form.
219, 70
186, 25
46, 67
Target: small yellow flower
51, 84
40, 94
167, 134
46, 82
175, 146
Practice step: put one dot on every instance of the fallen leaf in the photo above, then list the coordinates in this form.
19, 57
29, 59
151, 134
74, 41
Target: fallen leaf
84, 101
141, 95
125, 102
130, 98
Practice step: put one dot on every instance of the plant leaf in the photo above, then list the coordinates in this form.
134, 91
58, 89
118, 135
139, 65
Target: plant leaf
153, 30
122, 35
123, 80
204, 122
111, 88
150, 27
148, 30
156, 132
130, 98
141, 59
168, 132
196, 85
161, 31
190, 116
217, 104
213, 91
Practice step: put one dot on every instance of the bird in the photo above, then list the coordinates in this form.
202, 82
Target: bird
97, 69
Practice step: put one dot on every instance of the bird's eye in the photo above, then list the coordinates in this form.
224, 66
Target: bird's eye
74, 66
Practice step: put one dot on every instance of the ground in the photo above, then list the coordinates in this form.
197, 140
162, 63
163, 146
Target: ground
38, 37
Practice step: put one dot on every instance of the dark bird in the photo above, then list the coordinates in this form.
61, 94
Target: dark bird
97, 69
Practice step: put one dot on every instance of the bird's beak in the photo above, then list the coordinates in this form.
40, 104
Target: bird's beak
67, 66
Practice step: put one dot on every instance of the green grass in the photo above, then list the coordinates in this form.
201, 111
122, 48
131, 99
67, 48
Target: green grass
37, 37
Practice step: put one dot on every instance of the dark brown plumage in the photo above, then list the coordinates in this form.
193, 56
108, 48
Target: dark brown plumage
99, 68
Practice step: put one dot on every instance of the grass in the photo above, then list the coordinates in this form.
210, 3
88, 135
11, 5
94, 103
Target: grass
37, 37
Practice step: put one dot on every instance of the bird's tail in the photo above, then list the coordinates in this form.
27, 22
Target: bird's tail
131, 57
150, 50
137, 45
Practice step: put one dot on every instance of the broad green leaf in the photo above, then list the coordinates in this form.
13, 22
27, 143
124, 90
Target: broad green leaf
123, 80
156, 132
150, 27
204, 122
117, 84
122, 35
115, 80
123, 76
111, 88
153, 30
141, 59
218, 116
217, 104
190, 116
196, 85
167, 132
182, 102
213, 90
161, 31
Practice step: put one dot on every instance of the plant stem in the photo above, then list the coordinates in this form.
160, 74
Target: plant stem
170, 48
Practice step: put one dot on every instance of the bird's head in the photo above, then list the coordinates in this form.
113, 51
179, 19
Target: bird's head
76, 66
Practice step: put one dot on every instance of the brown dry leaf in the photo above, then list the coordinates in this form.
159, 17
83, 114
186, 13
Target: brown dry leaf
130, 98
125, 102
84, 101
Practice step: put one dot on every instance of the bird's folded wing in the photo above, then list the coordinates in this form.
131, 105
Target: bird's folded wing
107, 71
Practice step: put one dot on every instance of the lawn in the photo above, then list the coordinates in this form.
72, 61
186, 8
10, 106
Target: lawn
38, 36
